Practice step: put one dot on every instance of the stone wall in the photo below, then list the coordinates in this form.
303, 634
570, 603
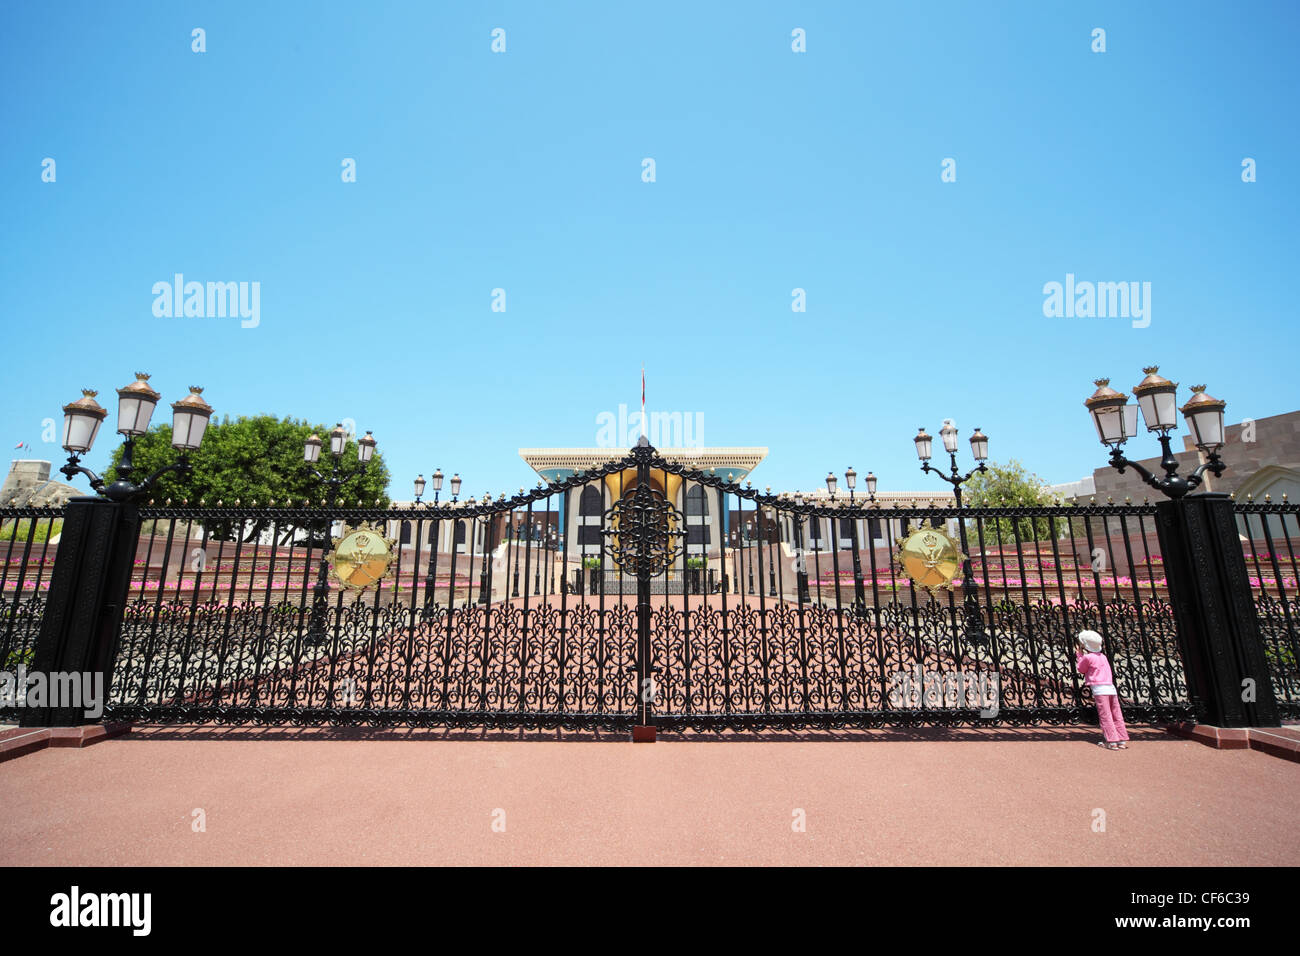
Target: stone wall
28, 484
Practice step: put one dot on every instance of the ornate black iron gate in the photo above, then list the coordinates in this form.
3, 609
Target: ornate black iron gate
644, 594
750, 617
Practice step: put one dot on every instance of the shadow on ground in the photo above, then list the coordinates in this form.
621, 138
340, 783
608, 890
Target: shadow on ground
218, 732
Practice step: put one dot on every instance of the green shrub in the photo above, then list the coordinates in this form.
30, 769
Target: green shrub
17, 529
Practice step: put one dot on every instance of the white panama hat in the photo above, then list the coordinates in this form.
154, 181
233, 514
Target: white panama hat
1091, 641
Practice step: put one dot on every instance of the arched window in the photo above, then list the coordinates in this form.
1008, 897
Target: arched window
591, 509
697, 502
590, 503
814, 531
459, 543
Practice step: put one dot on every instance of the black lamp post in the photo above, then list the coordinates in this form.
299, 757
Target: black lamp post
135, 406
92, 573
749, 550
801, 563
333, 482
516, 536
1116, 422
430, 577
552, 558
773, 530
859, 590
489, 524
979, 446
537, 546
437, 486
1219, 635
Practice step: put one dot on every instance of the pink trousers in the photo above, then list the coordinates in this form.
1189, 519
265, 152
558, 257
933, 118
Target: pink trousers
1110, 717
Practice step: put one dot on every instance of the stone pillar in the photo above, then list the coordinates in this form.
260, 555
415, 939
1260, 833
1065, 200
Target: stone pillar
1218, 633
87, 598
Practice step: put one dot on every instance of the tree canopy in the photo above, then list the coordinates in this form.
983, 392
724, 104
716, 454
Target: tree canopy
1011, 485
257, 458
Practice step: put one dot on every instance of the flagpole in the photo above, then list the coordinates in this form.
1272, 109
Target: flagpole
643, 428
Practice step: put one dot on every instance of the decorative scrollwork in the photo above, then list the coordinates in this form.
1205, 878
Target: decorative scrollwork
643, 532
440, 641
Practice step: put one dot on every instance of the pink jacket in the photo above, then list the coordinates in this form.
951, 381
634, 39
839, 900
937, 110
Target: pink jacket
1094, 667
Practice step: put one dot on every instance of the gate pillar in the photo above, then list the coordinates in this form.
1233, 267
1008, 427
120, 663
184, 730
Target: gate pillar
1218, 633
88, 592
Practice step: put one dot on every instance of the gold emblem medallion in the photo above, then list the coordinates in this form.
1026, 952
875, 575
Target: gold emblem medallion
931, 558
362, 556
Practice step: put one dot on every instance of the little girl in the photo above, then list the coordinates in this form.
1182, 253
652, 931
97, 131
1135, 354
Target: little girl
1095, 669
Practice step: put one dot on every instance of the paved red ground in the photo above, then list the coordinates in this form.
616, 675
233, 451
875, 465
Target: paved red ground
331, 797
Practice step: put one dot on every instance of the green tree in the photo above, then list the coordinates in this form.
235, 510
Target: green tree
1011, 486
257, 458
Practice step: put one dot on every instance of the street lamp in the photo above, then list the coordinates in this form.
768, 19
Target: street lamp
338, 441
419, 488
455, 487
801, 563
135, 406
979, 446
773, 546
311, 450
536, 545
1116, 422
430, 577
859, 589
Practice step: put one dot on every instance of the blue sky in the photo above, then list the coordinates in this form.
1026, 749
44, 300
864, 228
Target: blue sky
775, 170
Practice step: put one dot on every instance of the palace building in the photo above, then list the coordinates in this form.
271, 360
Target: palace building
574, 522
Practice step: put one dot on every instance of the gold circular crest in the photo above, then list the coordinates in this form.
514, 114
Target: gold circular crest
362, 556
931, 558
